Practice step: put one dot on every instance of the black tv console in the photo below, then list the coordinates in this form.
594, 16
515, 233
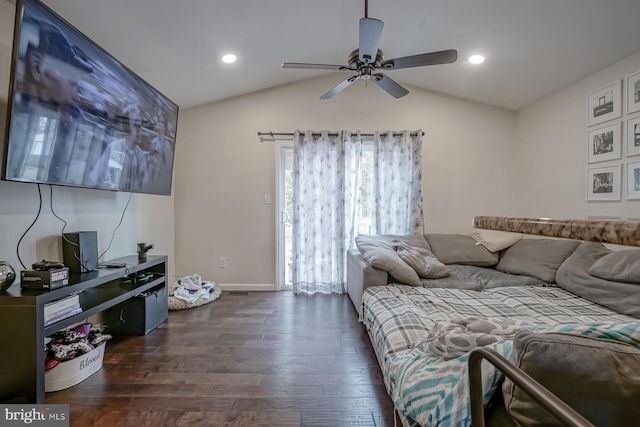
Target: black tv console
22, 330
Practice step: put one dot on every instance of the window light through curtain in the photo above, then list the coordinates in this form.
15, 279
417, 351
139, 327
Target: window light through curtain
397, 178
344, 186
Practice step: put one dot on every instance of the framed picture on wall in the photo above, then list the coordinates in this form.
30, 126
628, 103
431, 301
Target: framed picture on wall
604, 104
633, 93
633, 137
633, 181
604, 143
603, 184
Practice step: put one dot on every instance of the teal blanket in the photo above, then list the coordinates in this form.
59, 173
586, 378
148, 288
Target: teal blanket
435, 392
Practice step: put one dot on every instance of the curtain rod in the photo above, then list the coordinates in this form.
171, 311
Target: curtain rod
290, 134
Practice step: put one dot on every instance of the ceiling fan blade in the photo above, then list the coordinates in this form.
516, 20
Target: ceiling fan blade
343, 84
304, 66
433, 58
389, 85
370, 35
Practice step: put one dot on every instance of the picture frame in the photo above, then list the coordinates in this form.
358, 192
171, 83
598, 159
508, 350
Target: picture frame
604, 104
633, 136
633, 92
603, 143
603, 184
633, 181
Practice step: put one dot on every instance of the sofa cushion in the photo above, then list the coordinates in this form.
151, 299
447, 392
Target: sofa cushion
460, 249
379, 252
600, 379
387, 240
573, 276
536, 257
472, 278
423, 261
619, 266
495, 240
361, 275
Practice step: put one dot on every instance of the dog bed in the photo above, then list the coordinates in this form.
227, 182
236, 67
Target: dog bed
192, 291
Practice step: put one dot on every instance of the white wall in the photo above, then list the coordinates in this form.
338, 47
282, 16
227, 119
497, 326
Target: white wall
223, 171
552, 152
147, 219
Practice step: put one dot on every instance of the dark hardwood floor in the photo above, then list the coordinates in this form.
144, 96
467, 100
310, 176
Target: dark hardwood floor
262, 359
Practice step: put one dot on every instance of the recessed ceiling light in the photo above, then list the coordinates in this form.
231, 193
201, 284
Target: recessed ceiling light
476, 59
229, 58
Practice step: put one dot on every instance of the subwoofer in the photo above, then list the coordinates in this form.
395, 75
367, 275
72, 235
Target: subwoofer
80, 251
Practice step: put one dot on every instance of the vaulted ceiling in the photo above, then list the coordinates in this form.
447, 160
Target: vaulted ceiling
532, 47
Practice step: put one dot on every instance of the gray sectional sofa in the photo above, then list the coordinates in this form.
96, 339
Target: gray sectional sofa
533, 289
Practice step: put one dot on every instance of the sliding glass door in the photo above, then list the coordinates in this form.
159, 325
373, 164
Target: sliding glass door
284, 181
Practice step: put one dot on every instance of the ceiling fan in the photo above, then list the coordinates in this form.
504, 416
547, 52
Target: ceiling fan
368, 59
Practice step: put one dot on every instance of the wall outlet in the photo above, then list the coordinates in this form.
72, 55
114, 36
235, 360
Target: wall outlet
222, 263
267, 199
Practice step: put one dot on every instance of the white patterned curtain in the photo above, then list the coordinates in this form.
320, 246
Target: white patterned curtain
325, 171
397, 183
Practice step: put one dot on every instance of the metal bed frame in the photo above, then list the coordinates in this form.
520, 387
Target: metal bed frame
556, 407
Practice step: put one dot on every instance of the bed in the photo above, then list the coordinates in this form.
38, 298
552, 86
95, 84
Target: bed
431, 388
398, 317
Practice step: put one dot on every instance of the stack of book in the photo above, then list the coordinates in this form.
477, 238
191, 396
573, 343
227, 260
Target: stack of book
56, 311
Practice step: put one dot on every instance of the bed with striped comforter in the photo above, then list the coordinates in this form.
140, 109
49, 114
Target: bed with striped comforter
430, 391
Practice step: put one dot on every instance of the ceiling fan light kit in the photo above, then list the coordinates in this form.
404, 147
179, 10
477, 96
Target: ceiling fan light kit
368, 60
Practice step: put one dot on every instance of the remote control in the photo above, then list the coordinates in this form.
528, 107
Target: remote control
46, 265
113, 265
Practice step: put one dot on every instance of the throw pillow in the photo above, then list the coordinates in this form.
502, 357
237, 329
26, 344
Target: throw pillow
573, 276
424, 262
380, 254
619, 266
495, 240
539, 258
599, 379
460, 249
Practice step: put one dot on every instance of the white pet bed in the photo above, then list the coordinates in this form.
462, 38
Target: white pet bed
176, 303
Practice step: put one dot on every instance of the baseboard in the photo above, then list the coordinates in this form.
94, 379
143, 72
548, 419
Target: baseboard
247, 287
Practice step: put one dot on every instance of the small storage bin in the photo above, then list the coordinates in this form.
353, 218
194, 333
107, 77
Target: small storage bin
69, 373
139, 315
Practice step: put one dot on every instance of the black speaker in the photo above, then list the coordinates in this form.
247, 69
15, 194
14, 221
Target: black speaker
80, 251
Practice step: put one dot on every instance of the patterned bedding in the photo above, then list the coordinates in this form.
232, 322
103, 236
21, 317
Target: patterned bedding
398, 319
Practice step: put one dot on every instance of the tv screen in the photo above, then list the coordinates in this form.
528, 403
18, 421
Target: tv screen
78, 117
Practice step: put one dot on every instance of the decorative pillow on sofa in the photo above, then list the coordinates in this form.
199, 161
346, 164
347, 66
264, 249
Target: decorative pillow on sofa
423, 261
573, 276
619, 266
495, 240
460, 249
378, 251
599, 379
539, 258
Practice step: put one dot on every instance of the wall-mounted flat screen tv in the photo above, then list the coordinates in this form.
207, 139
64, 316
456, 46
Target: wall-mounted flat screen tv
78, 117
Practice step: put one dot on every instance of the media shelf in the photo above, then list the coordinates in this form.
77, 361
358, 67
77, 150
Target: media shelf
22, 330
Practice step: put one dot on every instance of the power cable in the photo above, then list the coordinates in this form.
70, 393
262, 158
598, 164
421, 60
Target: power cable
32, 224
118, 226
76, 253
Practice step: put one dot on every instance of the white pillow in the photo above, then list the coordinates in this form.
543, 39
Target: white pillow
495, 240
